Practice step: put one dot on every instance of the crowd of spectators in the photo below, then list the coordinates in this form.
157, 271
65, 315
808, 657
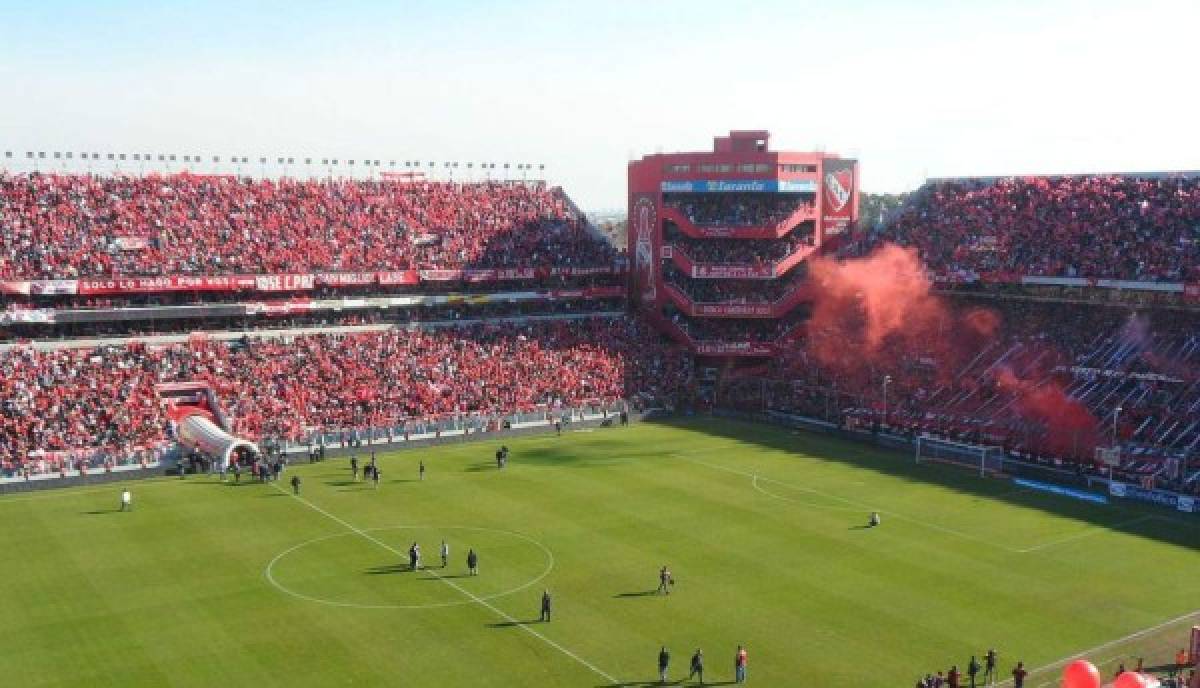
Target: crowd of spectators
1056, 381
69, 226
1116, 227
738, 209
283, 387
741, 251
735, 291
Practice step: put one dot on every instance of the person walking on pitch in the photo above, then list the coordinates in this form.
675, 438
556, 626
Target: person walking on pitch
664, 661
989, 667
545, 615
472, 562
126, 500
296, 485
354, 467
665, 580
739, 665
697, 666
445, 552
421, 470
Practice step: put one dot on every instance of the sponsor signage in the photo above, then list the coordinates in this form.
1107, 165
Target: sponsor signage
733, 310
1160, 497
1060, 490
709, 348
711, 271
738, 186
399, 277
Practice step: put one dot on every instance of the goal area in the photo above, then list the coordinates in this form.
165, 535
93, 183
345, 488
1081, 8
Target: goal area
983, 458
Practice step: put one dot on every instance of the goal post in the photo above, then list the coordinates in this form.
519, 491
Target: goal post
985, 459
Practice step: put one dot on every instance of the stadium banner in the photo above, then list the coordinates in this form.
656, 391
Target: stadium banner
278, 308
440, 275
399, 277
300, 282
22, 316
739, 186
713, 271
1160, 497
710, 348
21, 288
839, 179
345, 279
54, 287
472, 275
154, 285
733, 310
515, 273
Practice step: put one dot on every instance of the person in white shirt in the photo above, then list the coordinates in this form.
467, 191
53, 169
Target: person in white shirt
126, 500
445, 553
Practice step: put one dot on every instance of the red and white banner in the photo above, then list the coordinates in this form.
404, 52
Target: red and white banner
479, 275
279, 308
284, 282
54, 287
399, 277
154, 285
515, 273
132, 243
345, 279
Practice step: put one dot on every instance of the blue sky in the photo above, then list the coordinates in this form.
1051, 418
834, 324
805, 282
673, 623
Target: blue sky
911, 88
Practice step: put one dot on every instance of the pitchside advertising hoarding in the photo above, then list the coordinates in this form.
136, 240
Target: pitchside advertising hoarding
839, 180
1168, 499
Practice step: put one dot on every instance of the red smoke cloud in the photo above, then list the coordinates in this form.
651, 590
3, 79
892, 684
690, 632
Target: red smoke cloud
1069, 427
872, 314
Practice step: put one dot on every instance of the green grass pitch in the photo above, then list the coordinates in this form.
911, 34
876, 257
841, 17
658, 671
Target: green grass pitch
205, 584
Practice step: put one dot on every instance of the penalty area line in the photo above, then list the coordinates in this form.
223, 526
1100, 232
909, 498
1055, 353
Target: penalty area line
1087, 533
850, 502
475, 598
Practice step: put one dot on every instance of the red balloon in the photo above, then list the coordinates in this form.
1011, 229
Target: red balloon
1081, 674
1130, 679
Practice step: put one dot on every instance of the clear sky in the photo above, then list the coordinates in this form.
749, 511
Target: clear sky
914, 89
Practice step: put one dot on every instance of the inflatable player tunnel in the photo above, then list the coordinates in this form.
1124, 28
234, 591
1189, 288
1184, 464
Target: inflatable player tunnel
199, 422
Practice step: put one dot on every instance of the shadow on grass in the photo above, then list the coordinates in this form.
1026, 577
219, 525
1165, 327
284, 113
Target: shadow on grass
276, 494
450, 577
1165, 524
678, 682
388, 570
512, 624
640, 593
481, 467
859, 528
99, 512
342, 483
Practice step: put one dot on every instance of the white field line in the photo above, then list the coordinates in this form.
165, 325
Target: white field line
859, 505
483, 603
113, 488
1112, 643
768, 493
1086, 533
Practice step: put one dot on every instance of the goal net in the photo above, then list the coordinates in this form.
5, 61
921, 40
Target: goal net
979, 457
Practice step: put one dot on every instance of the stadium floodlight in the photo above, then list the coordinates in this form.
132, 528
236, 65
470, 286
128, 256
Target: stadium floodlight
989, 459
42, 155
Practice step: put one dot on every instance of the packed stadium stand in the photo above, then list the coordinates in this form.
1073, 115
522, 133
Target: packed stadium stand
287, 387
70, 226
1125, 227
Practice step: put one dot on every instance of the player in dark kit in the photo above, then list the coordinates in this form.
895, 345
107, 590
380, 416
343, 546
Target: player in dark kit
665, 581
989, 666
972, 671
295, 484
697, 666
421, 470
354, 467
545, 616
664, 661
472, 562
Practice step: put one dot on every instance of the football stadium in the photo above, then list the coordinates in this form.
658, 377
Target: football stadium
275, 415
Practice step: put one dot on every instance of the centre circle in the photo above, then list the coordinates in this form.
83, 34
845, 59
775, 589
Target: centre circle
368, 569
